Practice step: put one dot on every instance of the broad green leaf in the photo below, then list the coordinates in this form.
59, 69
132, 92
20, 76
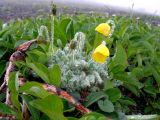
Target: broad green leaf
55, 75
117, 69
70, 30
34, 112
139, 60
64, 23
108, 84
32, 57
94, 97
52, 106
120, 58
155, 73
123, 29
35, 89
128, 78
138, 72
150, 90
4, 32
38, 56
4, 109
113, 94
94, 116
71, 118
59, 34
44, 117
106, 105
13, 86
127, 101
41, 70
146, 45
133, 89
98, 39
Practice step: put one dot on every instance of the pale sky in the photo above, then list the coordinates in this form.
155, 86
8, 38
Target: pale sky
150, 6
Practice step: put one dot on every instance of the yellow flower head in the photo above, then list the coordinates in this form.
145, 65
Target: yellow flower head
103, 28
101, 53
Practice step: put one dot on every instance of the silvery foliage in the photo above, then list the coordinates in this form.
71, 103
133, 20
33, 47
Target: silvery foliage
78, 70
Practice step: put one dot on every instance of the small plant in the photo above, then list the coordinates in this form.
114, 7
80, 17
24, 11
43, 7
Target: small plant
78, 70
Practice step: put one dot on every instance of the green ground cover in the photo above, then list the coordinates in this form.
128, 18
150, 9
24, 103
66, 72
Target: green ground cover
133, 67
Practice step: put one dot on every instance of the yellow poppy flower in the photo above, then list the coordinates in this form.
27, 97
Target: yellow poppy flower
100, 54
103, 28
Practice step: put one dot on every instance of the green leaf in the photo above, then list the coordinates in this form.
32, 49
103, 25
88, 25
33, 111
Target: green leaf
123, 29
35, 89
117, 69
44, 117
106, 105
13, 86
4, 109
94, 116
151, 90
41, 70
128, 78
55, 75
59, 33
120, 58
138, 72
94, 97
114, 94
127, 101
52, 106
38, 56
98, 39
70, 30
155, 73
133, 89
108, 84
71, 118
64, 23
4, 32
34, 112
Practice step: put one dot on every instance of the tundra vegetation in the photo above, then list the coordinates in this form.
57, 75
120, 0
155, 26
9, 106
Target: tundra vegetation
79, 67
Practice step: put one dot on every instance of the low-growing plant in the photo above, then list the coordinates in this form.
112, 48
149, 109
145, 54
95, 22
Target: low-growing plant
128, 83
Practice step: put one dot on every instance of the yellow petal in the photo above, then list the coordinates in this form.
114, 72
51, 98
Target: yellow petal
100, 54
103, 28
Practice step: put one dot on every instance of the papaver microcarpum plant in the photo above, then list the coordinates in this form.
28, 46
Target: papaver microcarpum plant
78, 69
